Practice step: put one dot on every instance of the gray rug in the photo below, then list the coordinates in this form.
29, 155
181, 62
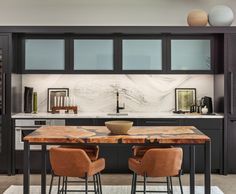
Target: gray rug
14, 189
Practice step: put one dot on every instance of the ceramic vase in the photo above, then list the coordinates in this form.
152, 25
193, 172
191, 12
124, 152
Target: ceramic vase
197, 18
221, 15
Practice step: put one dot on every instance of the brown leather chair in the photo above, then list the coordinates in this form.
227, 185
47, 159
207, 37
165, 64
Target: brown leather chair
91, 150
139, 151
74, 162
157, 162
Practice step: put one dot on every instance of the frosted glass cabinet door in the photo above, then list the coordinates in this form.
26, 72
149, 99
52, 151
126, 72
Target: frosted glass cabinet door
93, 54
142, 54
44, 54
190, 54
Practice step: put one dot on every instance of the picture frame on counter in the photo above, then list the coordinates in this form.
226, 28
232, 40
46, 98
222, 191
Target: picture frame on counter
185, 98
56, 96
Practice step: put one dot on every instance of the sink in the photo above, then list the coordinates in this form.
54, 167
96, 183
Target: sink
117, 114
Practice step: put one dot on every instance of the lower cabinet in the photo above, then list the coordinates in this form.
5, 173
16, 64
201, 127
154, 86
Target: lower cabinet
116, 155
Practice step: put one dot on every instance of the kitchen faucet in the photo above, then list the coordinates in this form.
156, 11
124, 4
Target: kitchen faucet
118, 107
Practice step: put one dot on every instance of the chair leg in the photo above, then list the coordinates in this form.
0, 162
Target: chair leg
97, 182
144, 183
94, 184
168, 185
50, 189
135, 182
180, 184
171, 185
100, 183
63, 185
66, 184
86, 183
132, 186
59, 184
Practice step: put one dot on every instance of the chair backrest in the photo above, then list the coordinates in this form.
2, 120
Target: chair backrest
69, 162
162, 162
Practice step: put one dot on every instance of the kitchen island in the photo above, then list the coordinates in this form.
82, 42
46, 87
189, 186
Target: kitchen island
148, 135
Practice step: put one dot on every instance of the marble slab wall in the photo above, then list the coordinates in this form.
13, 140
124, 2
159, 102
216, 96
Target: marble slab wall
140, 93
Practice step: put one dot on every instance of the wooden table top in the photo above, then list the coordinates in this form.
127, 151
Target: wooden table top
100, 134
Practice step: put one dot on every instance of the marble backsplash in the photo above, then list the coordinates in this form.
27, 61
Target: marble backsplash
140, 93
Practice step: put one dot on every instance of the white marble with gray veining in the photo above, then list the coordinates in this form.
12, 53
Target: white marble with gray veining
105, 115
140, 93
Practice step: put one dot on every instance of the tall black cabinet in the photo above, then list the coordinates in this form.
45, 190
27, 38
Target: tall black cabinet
5, 104
230, 101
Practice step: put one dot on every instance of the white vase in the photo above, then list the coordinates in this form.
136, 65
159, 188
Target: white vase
221, 15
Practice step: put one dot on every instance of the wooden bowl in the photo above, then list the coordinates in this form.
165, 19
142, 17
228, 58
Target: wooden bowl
119, 127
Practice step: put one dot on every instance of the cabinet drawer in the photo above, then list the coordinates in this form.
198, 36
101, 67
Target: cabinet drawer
79, 122
158, 122
204, 124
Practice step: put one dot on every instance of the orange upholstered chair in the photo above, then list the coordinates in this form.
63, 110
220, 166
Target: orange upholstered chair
157, 162
75, 162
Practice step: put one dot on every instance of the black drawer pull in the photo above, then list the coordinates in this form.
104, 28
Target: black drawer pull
160, 122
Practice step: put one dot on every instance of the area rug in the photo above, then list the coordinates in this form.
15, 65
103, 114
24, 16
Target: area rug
14, 189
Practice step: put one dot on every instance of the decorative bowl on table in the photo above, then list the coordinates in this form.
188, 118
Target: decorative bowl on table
119, 127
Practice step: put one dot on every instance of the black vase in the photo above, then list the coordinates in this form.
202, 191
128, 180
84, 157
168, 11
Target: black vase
28, 96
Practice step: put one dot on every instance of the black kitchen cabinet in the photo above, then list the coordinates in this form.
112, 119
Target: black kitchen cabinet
190, 54
213, 128
230, 102
117, 54
5, 103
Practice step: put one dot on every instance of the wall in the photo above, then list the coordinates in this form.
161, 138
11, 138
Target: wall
140, 93
102, 12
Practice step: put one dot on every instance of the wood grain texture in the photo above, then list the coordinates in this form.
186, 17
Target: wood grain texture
100, 134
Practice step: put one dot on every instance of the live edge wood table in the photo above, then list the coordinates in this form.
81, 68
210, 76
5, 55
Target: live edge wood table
162, 135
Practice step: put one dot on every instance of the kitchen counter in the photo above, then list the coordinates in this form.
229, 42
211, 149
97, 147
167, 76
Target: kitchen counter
105, 115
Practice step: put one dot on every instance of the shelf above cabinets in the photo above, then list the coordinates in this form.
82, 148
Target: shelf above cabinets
117, 54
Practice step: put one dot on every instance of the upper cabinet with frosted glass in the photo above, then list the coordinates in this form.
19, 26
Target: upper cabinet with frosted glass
190, 54
118, 54
142, 54
93, 54
44, 54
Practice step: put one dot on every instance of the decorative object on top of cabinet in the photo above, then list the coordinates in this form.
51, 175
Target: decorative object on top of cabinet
221, 15
56, 97
28, 94
184, 99
197, 17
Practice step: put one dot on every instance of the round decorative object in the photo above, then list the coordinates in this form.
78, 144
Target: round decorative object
197, 18
221, 15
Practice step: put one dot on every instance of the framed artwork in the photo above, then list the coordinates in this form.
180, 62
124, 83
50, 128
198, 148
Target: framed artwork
184, 98
55, 93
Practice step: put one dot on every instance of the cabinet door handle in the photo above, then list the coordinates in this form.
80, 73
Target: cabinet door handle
3, 93
159, 122
231, 93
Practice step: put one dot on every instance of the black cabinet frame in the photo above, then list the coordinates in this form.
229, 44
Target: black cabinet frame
117, 52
